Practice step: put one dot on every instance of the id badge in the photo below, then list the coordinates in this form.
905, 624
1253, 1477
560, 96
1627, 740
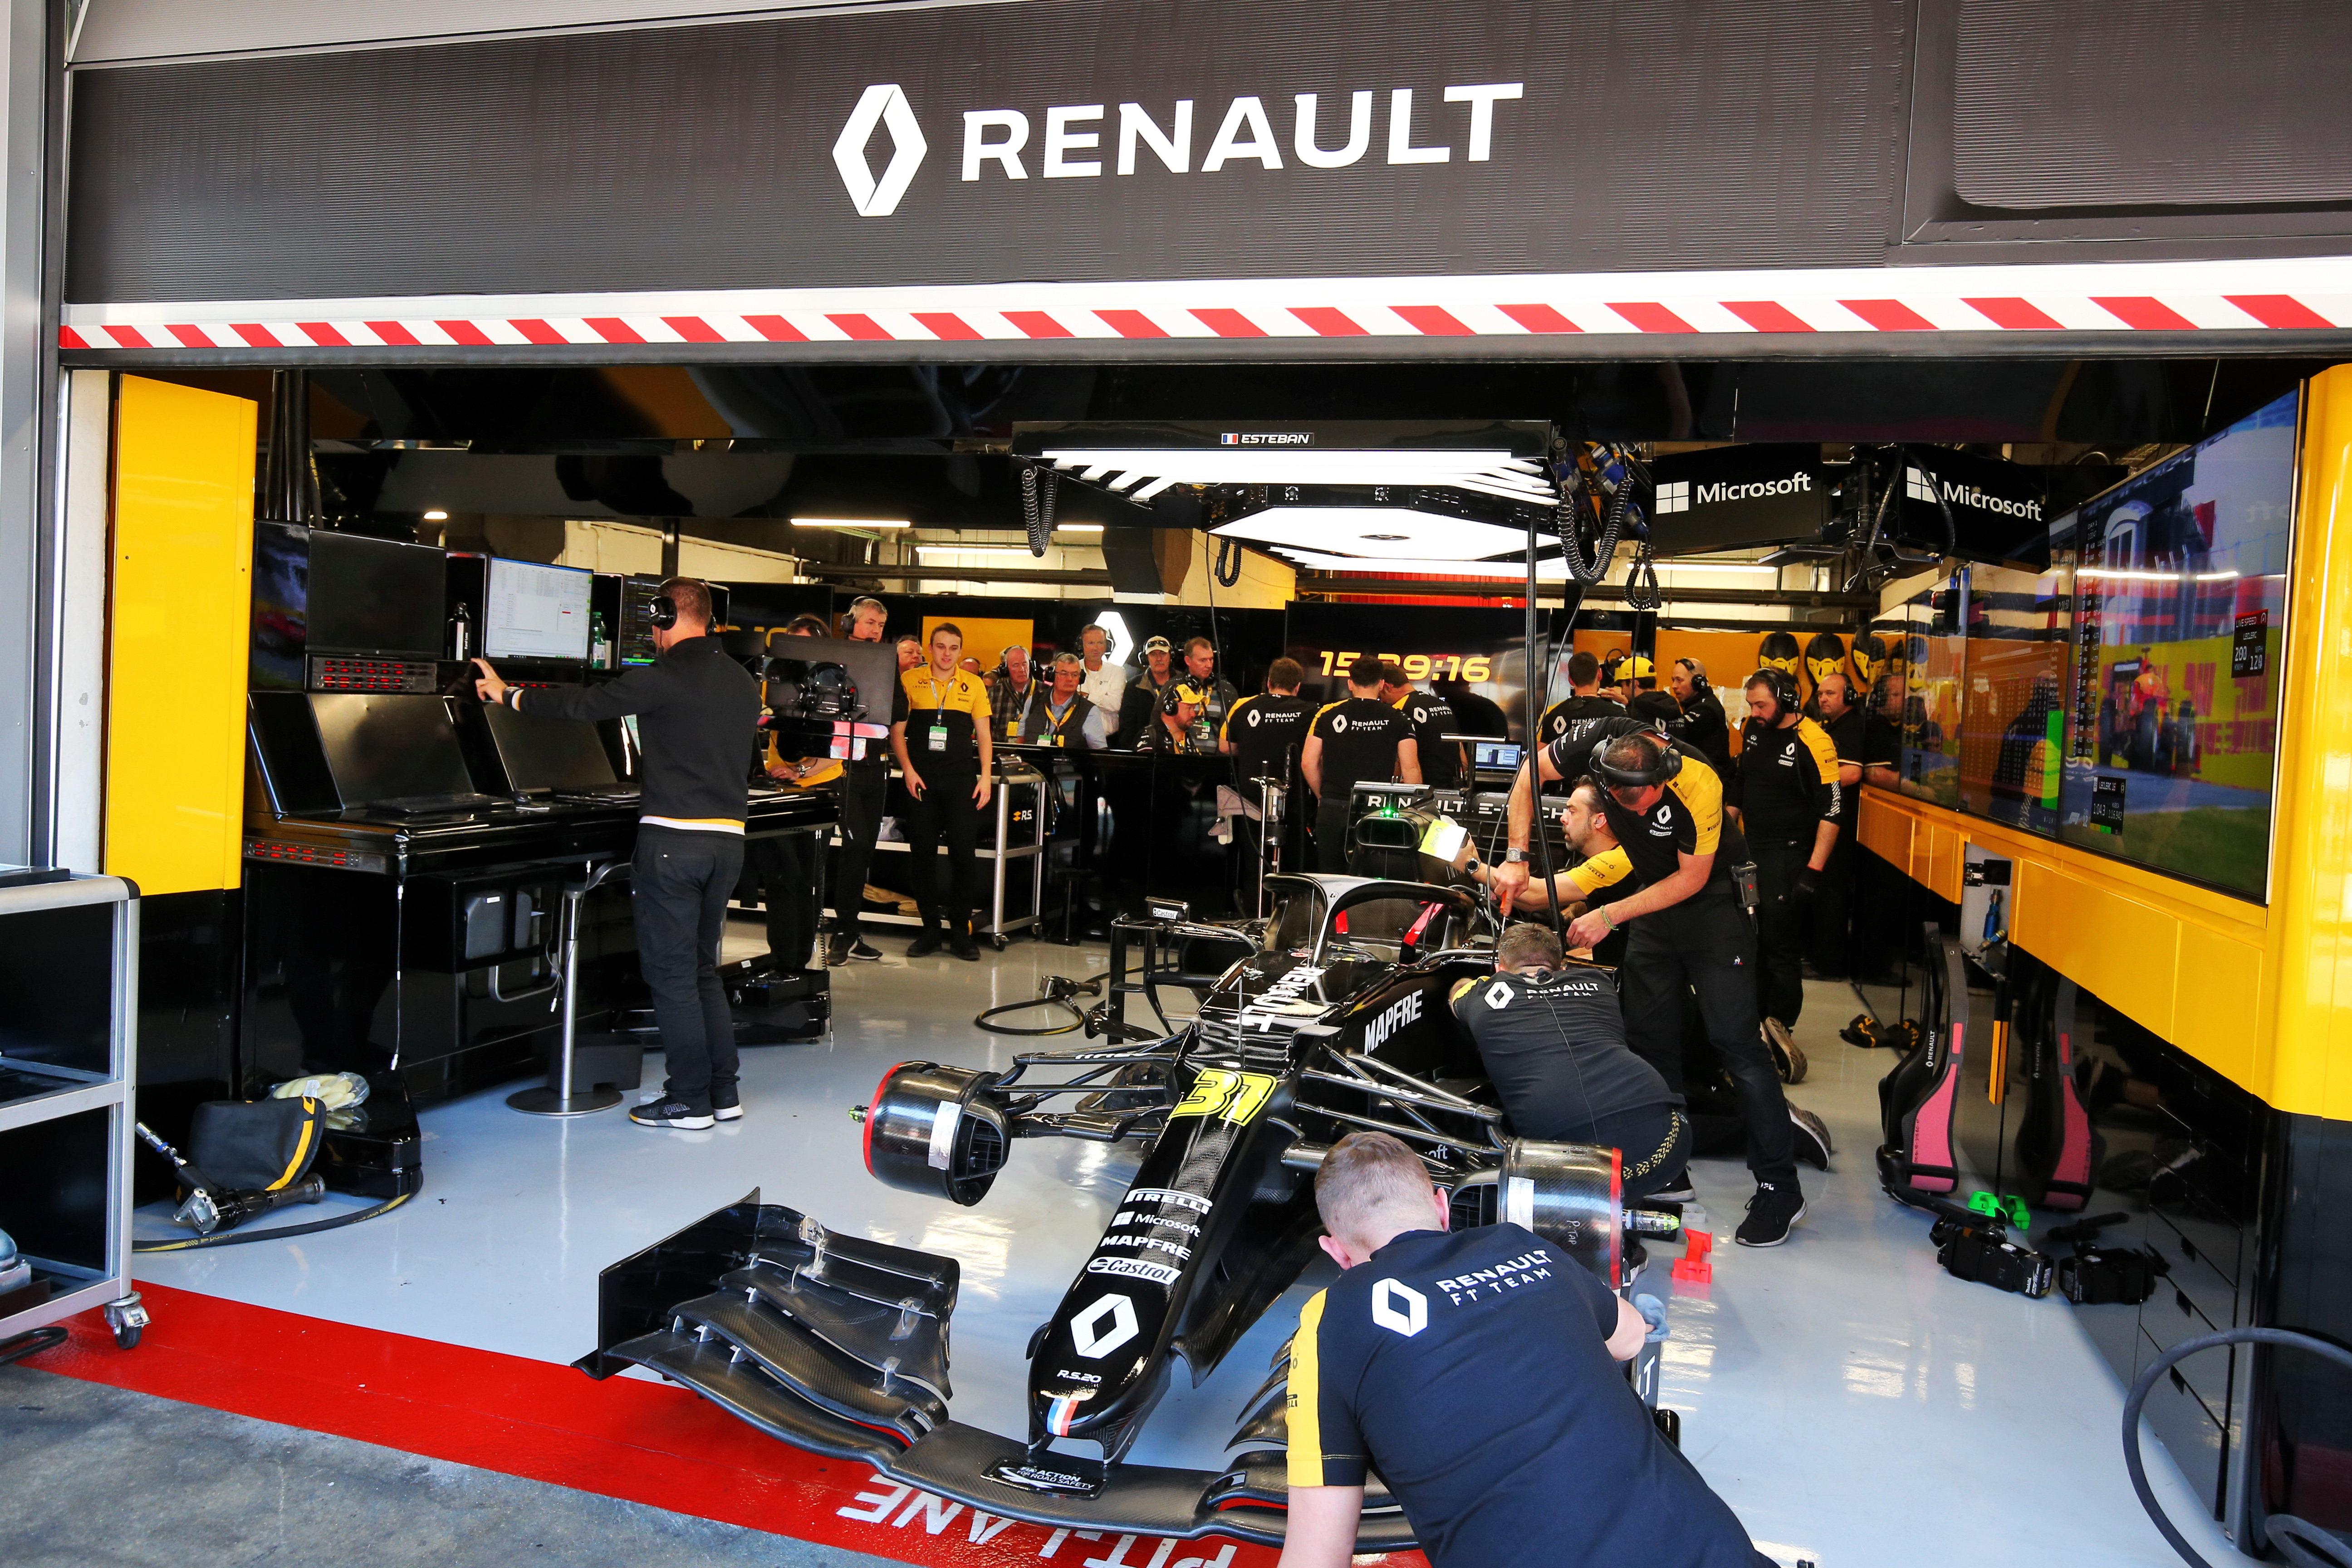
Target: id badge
938, 737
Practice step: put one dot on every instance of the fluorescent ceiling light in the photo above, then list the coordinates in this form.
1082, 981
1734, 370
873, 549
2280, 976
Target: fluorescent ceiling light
1078, 528
2216, 577
1753, 568
928, 551
2118, 572
1140, 474
1375, 531
851, 523
437, 516
1486, 571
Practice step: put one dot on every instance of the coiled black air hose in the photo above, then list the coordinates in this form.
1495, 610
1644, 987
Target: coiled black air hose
2305, 1545
1037, 505
1059, 989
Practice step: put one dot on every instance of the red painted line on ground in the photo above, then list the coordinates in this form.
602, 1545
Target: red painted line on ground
694, 328
1326, 321
612, 330
190, 337
2143, 313
324, 334
1038, 325
393, 333
863, 328
1433, 320
2013, 314
2279, 310
775, 329
1889, 315
1649, 317
646, 1442
1228, 323
948, 326
1131, 324
535, 330
1539, 317
1768, 315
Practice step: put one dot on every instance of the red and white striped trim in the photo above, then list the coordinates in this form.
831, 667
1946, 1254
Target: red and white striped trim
2302, 294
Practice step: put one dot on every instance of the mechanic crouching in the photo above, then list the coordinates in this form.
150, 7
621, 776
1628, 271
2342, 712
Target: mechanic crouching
1689, 936
1477, 1373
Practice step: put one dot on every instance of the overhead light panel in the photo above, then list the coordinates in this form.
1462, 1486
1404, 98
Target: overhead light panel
1751, 568
1078, 528
1551, 570
437, 516
1375, 531
851, 523
1139, 474
989, 551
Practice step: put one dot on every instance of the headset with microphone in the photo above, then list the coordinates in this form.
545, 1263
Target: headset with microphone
1664, 762
1783, 686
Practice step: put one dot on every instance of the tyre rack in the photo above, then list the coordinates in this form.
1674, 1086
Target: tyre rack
66, 1066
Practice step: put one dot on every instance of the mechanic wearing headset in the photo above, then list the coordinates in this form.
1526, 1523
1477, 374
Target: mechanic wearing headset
865, 791
945, 755
1477, 1372
1350, 740
1263, 734
697, 710
1601, 875
1689, 933
1211, 695
1788, 798
1705, 724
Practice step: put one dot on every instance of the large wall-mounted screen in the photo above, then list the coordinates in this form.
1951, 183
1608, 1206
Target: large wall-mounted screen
375, 596
537, 612
1468, 656
2180, 619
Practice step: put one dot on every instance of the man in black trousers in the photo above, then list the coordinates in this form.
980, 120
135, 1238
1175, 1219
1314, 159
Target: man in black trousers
697, 713
865, 788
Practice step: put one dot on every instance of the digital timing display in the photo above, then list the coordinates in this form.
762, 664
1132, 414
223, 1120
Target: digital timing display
1470, 667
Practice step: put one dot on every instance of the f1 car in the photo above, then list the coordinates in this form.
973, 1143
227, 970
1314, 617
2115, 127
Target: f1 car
1336, 1018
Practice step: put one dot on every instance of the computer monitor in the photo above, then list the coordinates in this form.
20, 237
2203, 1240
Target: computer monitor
637, 597
376, 597
1488, 756
549, 753
537, 612
390, 746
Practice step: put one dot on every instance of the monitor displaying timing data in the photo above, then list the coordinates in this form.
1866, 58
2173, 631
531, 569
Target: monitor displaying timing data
537, 612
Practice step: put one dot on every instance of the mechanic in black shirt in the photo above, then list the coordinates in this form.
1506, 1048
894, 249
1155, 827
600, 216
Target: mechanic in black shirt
1357, 738
1585, 705
1552, 1036
1690, 934
1603, 876
1786, 793
1263, 734
697, 713
864, 790
1844, 721
1429, 721
1704, 725
1478, 1373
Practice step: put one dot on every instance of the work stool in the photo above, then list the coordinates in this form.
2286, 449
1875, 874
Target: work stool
617, 1059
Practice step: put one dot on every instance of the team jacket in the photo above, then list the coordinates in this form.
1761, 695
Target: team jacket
1359, 736
697, 715
1264, 732
1786, 783
1431, 720
1687, 819
958, 704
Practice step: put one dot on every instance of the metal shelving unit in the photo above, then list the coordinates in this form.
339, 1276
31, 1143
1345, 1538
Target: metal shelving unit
68, 1056
999, 858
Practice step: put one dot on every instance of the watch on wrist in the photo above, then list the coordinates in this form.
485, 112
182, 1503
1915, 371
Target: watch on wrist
1514, 856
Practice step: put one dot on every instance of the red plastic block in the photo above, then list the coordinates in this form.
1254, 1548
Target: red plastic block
1693, 1265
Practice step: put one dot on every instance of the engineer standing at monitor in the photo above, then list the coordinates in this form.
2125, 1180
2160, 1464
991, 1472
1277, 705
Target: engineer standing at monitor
1349, 742
698, 712
945, 752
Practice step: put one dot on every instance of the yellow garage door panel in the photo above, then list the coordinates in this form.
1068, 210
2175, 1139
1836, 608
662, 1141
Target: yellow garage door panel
1936, 859
2217, 1012
179, 622
1885, 831
2122, 952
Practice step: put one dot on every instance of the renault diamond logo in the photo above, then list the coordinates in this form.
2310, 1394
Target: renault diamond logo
1093, 1337
885, 104
1400, 1308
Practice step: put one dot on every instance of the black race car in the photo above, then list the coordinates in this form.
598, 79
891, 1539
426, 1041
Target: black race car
1336, 1018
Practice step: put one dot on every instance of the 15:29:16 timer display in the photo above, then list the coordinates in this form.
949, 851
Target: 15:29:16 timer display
1472, 668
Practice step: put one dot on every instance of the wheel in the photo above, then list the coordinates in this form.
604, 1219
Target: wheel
997, 943
128, 1336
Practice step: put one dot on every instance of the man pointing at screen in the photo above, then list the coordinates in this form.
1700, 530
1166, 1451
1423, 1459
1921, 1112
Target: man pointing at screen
697, 712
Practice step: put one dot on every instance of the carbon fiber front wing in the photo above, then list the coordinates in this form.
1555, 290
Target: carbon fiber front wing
839, 1346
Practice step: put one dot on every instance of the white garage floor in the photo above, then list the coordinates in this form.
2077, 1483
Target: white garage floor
1852, 1402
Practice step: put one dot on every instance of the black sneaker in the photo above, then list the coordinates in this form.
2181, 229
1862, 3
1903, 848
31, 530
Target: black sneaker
1813, 1138
964, 947
733, 1112
1772, 1212
1788, 1056
672, 1113
851, 950
1677, 1190
923, 946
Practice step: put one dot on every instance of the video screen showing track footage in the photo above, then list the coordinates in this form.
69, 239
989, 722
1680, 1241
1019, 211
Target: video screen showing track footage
2179, 622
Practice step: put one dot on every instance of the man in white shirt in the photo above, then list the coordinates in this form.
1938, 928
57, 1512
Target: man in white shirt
1104, 683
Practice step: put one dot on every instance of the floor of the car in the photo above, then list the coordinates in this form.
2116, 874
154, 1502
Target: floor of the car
1819, 1383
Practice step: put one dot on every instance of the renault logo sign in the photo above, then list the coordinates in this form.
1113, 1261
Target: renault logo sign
884, 105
